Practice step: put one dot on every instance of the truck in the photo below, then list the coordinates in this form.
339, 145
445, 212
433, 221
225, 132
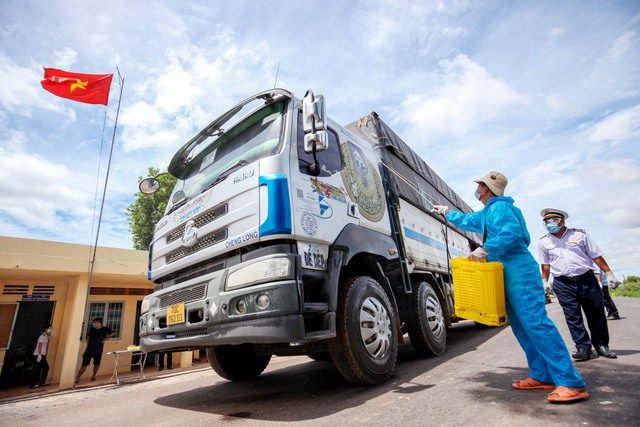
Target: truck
289, 234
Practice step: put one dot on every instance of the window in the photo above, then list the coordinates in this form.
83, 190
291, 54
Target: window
111, 313
330, 160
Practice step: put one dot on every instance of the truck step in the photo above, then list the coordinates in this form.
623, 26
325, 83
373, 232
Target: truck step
316, 307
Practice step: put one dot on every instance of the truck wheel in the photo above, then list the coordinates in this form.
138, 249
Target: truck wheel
427, 327
366, 345
237, 362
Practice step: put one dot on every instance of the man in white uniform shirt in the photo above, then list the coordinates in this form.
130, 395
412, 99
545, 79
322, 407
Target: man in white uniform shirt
569, 254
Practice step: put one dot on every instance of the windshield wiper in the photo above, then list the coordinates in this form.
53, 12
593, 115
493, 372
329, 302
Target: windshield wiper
179, 203
226, 173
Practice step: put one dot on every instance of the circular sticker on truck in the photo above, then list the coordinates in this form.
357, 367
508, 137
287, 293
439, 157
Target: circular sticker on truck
309, 224
363, 183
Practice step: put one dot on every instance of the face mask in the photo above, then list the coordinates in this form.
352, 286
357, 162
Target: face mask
93, 325
552, 228
49, 331
477, 195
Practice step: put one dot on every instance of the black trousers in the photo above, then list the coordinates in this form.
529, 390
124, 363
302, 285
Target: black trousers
161, 360
40, 371
576, 295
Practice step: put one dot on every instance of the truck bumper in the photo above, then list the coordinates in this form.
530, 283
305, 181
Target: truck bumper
258, 331
216, 316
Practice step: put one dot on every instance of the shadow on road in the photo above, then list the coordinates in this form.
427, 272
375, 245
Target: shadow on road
314, 389
612, 385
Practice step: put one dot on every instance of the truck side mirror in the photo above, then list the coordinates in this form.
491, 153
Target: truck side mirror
314, 122
149, 185
316, 142
313, 112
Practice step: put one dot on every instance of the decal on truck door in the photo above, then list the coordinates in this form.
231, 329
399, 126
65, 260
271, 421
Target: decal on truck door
309, 224
363, 182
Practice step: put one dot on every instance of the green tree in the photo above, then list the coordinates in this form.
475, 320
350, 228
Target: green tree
147, 210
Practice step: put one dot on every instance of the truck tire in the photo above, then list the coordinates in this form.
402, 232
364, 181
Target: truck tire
427, 327
365, 349
237, 362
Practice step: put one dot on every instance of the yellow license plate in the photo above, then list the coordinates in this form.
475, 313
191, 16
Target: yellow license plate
175, 314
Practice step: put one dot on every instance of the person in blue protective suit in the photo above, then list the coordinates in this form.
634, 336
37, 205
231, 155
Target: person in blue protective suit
506, 240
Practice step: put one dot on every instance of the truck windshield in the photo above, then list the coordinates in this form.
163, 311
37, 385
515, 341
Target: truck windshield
251, 139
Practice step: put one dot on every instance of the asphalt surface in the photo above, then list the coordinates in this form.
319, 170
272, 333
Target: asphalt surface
469, 385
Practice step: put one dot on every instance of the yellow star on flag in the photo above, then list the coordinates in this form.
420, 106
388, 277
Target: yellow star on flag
79, 84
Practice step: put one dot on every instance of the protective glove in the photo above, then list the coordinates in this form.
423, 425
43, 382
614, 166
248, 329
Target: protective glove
478, 255
439, 209
39, 358
547, 287
612, 280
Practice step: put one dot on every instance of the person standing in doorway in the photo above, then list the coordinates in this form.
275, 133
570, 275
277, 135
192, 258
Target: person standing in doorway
506, 240
97, 336
569, 254
612, 310
41, 367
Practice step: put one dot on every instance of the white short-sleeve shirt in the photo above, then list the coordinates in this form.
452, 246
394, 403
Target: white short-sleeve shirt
570, 255
44, 339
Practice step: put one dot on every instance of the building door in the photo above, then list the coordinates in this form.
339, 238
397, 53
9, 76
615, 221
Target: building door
31, 319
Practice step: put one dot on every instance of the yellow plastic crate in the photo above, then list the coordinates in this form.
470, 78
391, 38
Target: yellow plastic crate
478, 291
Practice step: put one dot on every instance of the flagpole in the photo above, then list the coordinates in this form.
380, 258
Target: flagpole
104, 194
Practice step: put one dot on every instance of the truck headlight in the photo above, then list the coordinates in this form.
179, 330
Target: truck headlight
260, 271
145, 306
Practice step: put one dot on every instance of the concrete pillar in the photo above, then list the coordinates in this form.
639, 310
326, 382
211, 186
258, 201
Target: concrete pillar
186, 359
72, 324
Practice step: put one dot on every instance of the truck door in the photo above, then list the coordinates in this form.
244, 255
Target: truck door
320, 202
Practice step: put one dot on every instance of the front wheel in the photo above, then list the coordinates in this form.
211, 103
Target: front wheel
237, 362
365, 349
427, 327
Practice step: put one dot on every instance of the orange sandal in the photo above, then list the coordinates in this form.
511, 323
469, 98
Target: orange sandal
531, 384
565, 394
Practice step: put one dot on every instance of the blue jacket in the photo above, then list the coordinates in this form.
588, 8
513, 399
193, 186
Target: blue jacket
502, 226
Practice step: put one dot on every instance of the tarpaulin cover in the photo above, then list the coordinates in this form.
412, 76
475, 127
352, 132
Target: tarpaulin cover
410, 176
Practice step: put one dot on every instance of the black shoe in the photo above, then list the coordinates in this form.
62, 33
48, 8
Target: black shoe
170, 367
613, 316
604, 351
160, 368
584, 354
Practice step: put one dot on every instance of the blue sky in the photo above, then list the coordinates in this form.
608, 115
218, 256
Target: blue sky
546, 92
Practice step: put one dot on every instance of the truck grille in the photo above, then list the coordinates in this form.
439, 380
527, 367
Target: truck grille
191, 333
184, 295
200, 221
209, 240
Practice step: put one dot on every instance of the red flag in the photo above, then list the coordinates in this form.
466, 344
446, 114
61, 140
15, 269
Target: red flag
87, 88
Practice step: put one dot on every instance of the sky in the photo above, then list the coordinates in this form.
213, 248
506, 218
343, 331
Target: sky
546, 92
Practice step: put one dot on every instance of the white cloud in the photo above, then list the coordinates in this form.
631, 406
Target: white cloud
467, 97
175, 90
623, 125
65, 58
21, 90
34, 191
622, 45
190, 92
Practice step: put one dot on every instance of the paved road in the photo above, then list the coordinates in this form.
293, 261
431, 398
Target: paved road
470, 385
